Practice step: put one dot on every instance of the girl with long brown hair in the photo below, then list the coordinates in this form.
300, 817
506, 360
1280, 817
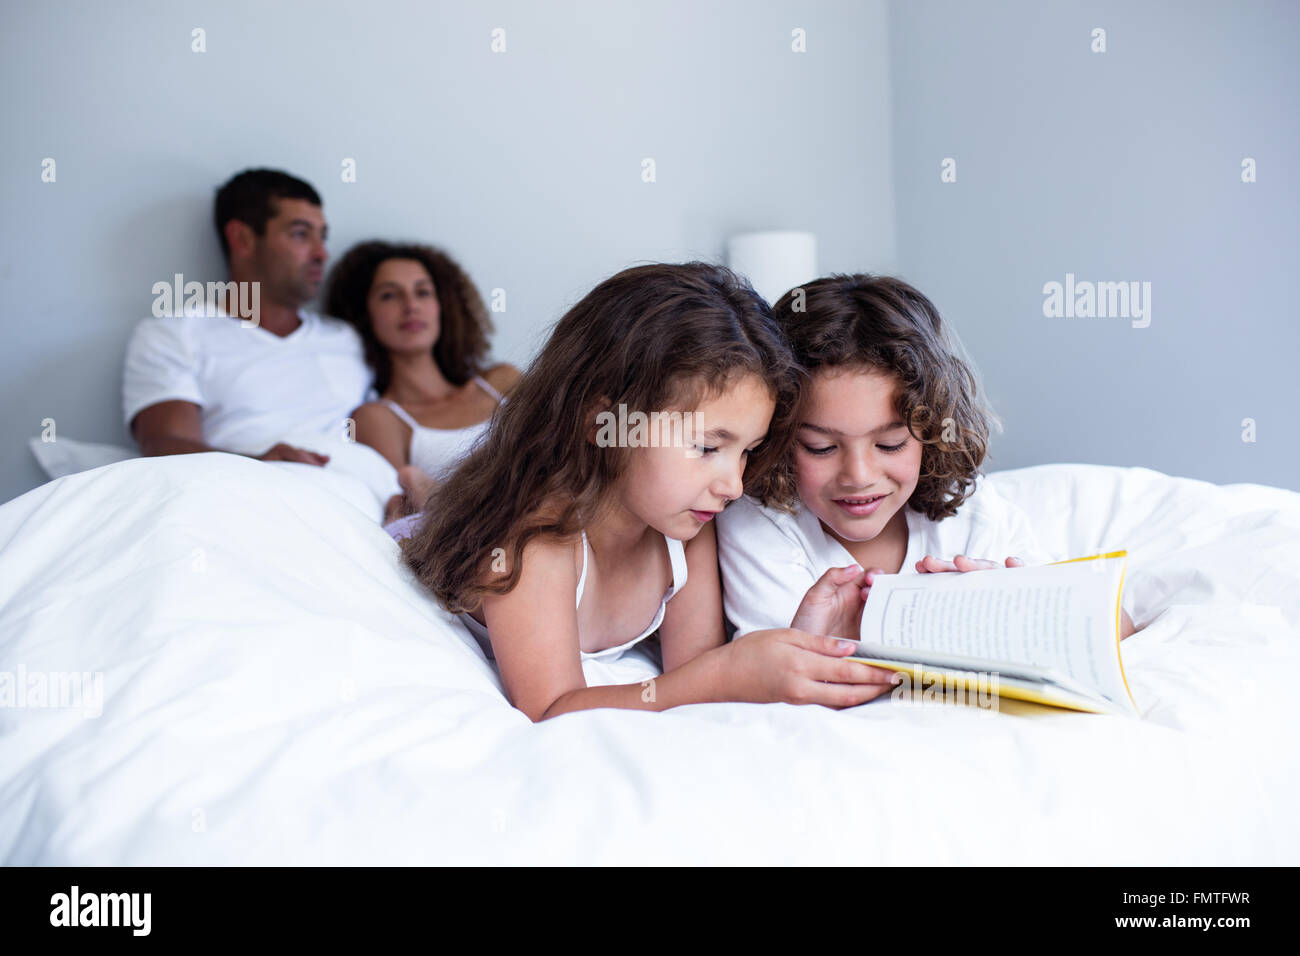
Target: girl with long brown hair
572, 527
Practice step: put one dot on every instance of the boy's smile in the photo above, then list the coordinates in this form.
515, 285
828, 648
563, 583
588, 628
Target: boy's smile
856, 465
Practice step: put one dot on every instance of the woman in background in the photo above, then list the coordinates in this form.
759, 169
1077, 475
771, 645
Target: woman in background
425, 330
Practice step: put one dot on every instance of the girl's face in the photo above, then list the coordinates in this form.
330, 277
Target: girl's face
855, 463
680, 488
403, 306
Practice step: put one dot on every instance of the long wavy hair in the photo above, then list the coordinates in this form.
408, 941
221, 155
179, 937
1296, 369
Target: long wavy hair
882, 324
464, 326
653, 337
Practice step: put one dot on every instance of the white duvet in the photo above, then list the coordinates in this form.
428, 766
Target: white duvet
275, 689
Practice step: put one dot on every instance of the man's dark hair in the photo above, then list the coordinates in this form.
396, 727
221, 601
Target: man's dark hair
247, 197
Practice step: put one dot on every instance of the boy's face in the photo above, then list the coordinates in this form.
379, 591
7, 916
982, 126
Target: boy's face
678, 490
289, 258
851, 446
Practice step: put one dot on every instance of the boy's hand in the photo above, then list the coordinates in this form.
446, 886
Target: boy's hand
932, 565
789, 666
1126, 625
833, 605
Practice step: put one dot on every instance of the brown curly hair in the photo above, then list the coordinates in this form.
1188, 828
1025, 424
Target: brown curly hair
651, 337
465, 327
882, 324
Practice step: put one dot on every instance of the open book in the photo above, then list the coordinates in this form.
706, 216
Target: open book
1047, 634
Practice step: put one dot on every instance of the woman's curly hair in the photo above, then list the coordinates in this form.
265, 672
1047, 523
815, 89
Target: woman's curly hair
465, 329
882, 324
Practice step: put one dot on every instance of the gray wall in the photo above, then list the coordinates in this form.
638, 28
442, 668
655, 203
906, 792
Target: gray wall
1116, 166
1123, 165
525, 165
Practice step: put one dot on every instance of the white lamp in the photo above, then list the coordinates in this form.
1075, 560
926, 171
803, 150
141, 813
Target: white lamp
774, 262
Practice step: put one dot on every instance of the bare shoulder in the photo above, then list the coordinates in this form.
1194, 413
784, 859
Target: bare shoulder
375, 425
552, 555
503, 377
377, 415
555, 551
549, 565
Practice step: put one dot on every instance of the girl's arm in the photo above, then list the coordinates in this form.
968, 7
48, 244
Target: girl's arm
692, 621
763, 667
534, 634
534, 628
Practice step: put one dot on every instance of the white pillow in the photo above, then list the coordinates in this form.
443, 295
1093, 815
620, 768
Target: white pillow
67, 456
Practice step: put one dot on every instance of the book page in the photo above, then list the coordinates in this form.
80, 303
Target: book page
1058, 618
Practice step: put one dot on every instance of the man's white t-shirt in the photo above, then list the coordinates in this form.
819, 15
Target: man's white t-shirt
255, 388
769, 559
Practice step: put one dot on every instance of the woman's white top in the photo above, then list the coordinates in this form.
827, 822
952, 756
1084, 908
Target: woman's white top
769, 559
437, 451
676, 554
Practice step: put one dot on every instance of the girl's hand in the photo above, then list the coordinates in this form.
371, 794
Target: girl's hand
932, 565
789, 666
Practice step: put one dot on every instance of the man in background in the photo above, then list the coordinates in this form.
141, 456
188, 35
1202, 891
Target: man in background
219, 379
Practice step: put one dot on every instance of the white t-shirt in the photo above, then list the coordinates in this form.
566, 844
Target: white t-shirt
255, 388
769, 559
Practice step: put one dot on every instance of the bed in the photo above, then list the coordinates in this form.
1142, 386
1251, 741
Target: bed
277, 690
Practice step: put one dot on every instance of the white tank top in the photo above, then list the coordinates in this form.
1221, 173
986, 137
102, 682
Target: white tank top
437, 451
676, 554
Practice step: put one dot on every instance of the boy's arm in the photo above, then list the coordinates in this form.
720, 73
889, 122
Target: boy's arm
692, 621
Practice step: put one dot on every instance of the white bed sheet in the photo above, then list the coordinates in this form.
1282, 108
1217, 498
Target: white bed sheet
277, 690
